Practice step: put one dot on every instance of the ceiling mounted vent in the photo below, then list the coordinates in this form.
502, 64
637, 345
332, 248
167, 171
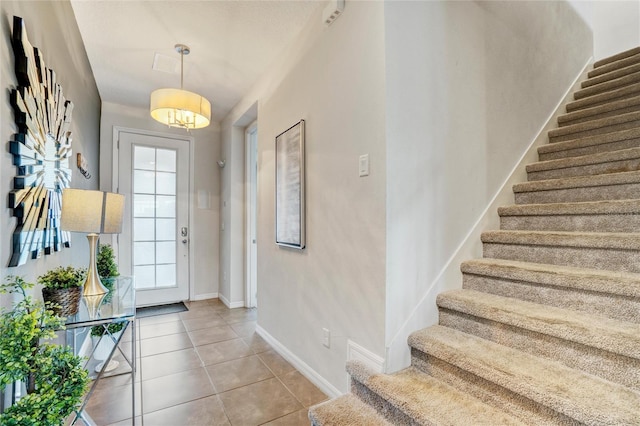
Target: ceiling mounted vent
332, 11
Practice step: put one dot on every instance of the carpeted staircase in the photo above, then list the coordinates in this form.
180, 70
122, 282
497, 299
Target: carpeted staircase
546, 329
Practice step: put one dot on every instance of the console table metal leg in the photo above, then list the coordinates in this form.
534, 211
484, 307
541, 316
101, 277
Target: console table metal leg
134, 363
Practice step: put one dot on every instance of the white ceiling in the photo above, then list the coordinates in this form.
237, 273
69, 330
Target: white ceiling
232, 43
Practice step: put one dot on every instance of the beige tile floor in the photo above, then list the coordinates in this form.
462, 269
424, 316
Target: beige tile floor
205, 367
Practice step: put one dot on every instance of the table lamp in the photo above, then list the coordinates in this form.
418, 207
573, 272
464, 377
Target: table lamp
95, 212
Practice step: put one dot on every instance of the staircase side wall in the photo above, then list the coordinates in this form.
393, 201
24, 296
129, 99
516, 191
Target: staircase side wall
469, 87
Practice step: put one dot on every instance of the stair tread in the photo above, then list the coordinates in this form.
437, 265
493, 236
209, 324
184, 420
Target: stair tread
588, 141
584, 160
578, 182
593, 330
603, 97
595, 240
595, 124
581, 396
617, 57
346, 410
614, 65
629, 69
429, 400
599, 109
631, 206
607, 85
595, 280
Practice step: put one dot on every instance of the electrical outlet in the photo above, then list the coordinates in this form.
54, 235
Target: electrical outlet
326, 337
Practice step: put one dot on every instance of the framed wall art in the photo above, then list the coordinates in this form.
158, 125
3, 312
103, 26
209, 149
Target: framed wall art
290, 201
41, 151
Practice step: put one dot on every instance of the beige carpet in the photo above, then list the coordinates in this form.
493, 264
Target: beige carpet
546, 329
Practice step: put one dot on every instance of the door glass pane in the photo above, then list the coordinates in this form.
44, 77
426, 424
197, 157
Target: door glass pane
143, 229
166, 159
143, 253
166, 206
144, 181
166, 252
145, 276
144, 158
166, 183
166, 275
144, 205
154, 213
165, 229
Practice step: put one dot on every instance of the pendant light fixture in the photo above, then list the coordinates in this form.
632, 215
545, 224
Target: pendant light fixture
179, 107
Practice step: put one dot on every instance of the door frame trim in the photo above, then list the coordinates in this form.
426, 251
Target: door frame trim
249, 302
115, 178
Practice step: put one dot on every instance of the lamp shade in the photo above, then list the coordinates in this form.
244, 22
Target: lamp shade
92, 211
180, 108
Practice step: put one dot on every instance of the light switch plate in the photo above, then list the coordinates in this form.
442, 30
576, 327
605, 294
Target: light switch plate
363, 168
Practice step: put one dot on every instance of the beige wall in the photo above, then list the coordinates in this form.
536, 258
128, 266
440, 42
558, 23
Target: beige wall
334, 79
615, 24
204, 230
51, 26
469, 85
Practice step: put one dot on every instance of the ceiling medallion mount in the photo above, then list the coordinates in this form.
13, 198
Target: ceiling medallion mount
179, 107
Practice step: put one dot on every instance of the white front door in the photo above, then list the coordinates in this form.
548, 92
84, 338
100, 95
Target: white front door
153, 173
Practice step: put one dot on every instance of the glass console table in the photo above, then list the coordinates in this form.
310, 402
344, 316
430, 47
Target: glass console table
117, 306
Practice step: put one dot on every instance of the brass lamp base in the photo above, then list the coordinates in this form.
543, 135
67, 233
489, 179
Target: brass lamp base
92, 285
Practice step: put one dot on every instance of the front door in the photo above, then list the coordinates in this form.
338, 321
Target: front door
153, 173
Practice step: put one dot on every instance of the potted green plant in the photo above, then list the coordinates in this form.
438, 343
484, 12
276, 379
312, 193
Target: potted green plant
62, 289
106, 262
103, 345
54, 377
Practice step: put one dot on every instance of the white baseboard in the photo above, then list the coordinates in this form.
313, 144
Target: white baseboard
204, 296
230, 305
356, 352
308, 372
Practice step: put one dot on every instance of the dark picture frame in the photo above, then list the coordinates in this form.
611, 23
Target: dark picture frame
290, 186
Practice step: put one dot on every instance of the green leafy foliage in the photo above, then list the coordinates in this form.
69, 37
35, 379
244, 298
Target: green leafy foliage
55, 378
106, 262
98, 330
63, 277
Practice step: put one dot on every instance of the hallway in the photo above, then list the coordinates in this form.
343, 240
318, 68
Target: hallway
206, 366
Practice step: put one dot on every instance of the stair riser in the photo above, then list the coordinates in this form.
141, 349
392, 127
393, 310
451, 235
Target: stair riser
578, 223
488, 392
622, 63
607, 86
584, 118
609, 366
591, 193
597, 131
593, 149
611, 76
610, 305
604, 98
626, 165
382, 406
597, 258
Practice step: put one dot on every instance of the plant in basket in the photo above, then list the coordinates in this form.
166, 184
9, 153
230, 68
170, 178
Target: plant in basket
62, 289
54, 377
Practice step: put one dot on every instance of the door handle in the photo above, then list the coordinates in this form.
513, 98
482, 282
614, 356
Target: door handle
184, 231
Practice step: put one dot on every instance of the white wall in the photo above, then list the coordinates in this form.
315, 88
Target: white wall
469, 84
204, 230
334, 80
51, 26
615, 24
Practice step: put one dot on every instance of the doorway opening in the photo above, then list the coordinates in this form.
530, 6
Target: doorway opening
251, 214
